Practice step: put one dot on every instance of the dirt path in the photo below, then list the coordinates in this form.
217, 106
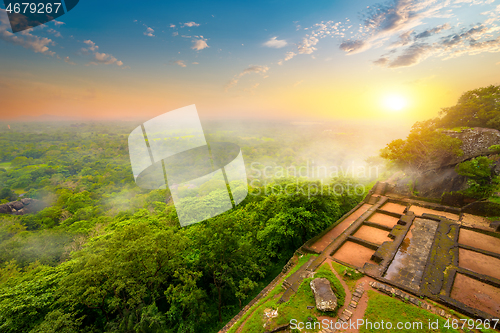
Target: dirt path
363, 302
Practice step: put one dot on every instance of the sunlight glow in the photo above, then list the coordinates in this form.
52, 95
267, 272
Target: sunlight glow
395, 102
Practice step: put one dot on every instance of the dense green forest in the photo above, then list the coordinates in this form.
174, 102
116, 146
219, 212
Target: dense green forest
107, 256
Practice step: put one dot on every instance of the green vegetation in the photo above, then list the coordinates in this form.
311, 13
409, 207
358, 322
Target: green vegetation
107, 256
383, 307
481, 178
294, 308
423, 149
475, 108
349, 275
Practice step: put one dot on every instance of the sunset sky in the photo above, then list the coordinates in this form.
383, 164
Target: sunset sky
260, 59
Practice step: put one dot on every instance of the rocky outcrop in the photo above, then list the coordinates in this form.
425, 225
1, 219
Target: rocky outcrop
24, 206
475, 142
323, 294
434, 183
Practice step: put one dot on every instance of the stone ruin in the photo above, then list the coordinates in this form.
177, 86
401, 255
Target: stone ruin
323, 294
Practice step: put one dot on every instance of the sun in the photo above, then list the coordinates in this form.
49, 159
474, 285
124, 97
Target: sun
395, 102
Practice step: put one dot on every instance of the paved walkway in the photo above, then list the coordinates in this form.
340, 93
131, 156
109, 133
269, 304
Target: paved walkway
408, 265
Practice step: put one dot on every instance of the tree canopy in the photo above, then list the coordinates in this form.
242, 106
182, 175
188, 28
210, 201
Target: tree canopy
424, 148
475, 108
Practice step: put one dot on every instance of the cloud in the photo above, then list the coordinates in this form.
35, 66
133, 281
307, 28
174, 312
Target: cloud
58, 23
307, 45
195, 63
470, 41
288, 56
396, 24
252, 69
66, 59
54, 32
401, 14
189, 24
106, 59
433, 31
149, 32
172, 26
457, 39
397, 18
175, 33
100, 58
404, 39
92, 45
180, 63
411, 56
199, 44
24, 38
381, 61
353, 46
275, 43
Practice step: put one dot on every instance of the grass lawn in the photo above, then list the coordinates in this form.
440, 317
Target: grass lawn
350, 279
295, 308
383, 307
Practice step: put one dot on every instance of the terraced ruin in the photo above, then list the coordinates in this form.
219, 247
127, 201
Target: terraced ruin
437, 258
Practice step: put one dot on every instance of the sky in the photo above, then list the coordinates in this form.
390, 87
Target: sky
401, 60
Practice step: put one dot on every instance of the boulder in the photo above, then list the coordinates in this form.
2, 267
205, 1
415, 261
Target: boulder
17, 205
25, 206
323, 294
5, 209
27, 201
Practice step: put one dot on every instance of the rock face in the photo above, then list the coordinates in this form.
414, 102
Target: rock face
323, 294
433, 184
25, 206
475, 142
